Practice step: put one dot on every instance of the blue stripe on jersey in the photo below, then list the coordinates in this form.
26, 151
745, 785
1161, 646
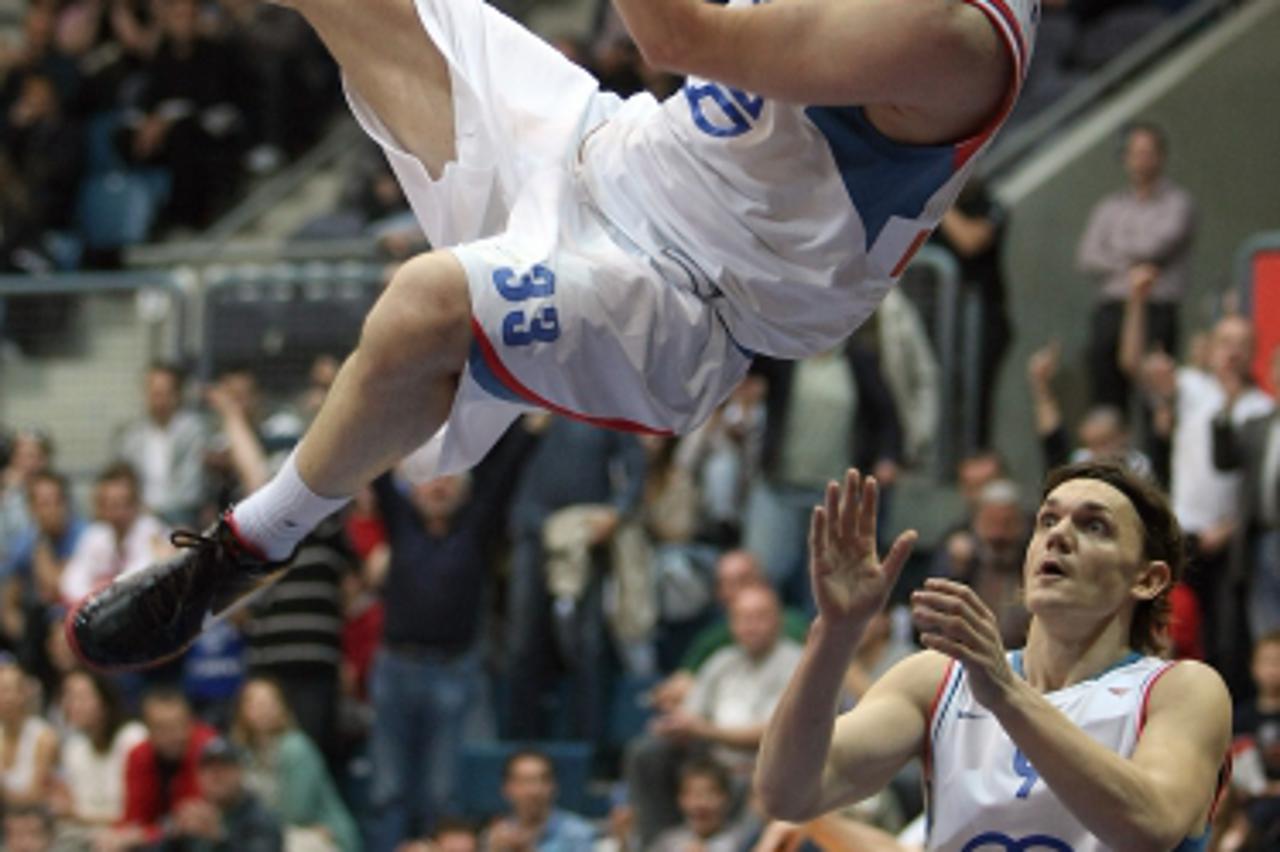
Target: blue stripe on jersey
486, 379
883, 178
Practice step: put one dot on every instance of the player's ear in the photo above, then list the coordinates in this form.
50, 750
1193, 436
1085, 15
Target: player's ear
1152, 579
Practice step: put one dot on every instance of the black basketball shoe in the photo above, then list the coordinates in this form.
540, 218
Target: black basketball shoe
151, 616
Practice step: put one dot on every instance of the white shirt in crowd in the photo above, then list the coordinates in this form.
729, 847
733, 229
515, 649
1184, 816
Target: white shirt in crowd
1204, 496
96, 781
100, 558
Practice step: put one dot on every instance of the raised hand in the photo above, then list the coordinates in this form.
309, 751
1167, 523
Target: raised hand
953, 620
850, 583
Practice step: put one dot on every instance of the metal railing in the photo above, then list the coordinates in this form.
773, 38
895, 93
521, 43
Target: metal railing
1012, 147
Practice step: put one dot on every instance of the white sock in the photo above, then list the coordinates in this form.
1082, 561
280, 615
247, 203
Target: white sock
280, 514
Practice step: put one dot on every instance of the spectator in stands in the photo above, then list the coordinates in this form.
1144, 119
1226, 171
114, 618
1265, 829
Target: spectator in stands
429, 688
30, 451
845, 391
37, 53
190, 118
451, 835
94, 754
973, 231
877, 652
161, 773
724, 455
213, 669
1137, 238
166, 448
544, 636
534, 822
42, 151
990, 559
123, 538
723, 716
225, 817
1253, 448
295, 627
735, 571
28, 828
39, 552
705, 800
1206, 500
1103, 433
286, 772
29, 580
292, 78
910, 371
1257, 744
28, 744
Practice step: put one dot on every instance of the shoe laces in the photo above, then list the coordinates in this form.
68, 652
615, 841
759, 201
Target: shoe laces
186, 539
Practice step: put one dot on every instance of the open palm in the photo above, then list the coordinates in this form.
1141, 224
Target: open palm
850, 582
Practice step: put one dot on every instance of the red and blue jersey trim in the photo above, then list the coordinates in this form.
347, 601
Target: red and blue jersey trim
494, 377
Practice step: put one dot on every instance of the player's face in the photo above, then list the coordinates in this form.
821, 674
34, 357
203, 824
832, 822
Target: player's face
1085, 555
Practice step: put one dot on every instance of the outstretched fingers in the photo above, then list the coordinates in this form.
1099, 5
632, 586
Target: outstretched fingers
849, 504
818, 540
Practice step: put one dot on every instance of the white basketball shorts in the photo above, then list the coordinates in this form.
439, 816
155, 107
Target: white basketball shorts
567, 315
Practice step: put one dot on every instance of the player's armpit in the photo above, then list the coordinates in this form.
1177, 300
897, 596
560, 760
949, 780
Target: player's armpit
1184, 742
882, 732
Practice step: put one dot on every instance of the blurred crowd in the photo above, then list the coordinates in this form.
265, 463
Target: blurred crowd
180, 99
578, 644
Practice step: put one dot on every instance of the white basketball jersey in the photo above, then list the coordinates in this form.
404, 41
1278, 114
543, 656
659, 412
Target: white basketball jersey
803, 216
983, 795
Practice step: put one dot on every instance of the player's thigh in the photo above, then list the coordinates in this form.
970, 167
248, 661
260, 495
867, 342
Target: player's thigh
395, 65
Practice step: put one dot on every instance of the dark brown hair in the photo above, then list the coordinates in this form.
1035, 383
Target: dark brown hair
1162, 541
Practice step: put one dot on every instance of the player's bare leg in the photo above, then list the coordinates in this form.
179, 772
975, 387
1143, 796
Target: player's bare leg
391, 395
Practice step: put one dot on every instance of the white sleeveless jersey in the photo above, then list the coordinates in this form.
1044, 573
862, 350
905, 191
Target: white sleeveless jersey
983, 795
802, 216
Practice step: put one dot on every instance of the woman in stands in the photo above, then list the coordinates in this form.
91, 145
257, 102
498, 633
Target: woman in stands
285, 769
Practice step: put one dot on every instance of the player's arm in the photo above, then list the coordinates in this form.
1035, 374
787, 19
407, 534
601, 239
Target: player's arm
809, 762
1151, 800
1161, 794
927, 54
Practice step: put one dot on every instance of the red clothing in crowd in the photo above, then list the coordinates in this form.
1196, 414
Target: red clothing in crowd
146, 800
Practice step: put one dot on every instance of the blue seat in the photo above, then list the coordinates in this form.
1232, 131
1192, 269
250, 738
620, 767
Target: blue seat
480, 775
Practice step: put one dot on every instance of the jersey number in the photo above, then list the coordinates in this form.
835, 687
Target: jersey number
1024, 770
519, 328
734, 109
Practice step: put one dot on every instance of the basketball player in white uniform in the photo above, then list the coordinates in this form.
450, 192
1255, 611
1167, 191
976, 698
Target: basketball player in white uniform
1083, 740
615, 261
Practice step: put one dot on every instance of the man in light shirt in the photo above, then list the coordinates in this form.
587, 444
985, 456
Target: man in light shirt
123, 538
1139, 235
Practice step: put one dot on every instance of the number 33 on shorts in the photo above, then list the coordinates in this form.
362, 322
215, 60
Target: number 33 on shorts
520, 327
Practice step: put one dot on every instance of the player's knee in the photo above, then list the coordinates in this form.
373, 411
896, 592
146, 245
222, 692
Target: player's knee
422, 321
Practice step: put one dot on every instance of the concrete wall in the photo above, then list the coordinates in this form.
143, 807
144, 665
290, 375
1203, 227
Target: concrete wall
1220, 101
